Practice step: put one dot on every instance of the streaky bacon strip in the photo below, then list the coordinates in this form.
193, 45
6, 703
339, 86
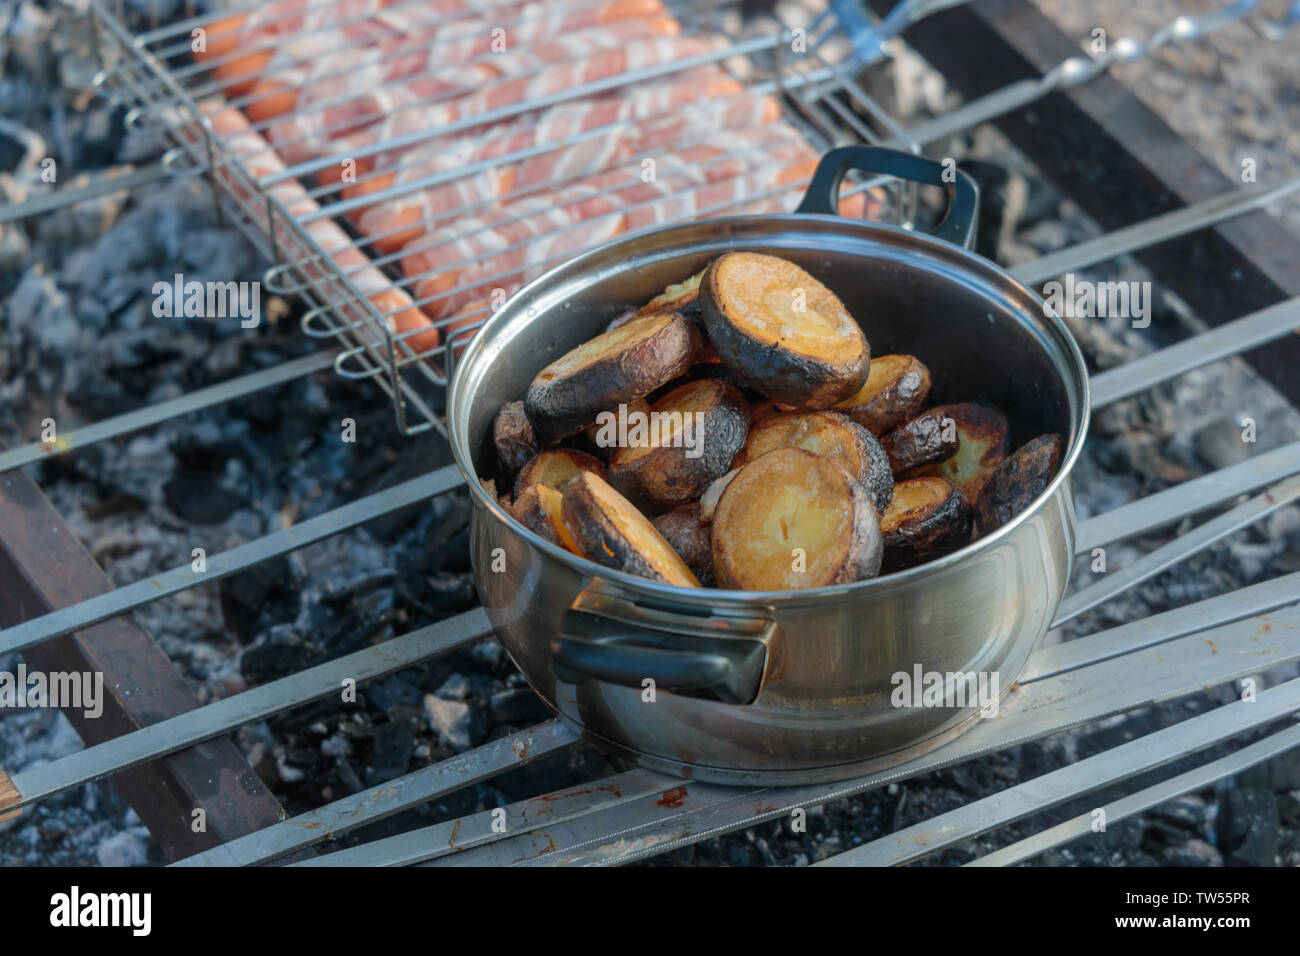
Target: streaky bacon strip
389, 299
671, 116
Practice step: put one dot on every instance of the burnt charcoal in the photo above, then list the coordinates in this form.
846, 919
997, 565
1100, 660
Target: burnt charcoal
457, 559
393, 692
1247, 827
280, 651
391, 754
1280, 774
448, 593
1183, 814
1193, 853
100, 395
253, 600
518, 707
348, 775
206, 447
198, 500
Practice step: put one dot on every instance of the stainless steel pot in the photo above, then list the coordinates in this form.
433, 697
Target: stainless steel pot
793, 686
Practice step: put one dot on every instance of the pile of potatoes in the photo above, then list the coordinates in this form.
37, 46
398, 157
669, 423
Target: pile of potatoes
783, 457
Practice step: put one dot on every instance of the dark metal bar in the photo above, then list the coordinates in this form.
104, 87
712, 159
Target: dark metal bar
43, 567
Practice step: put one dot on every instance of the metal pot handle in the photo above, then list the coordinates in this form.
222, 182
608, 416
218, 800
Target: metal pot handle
958, 225
683, 655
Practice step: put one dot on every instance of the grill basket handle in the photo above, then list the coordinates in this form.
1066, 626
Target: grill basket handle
592, 647
958, 224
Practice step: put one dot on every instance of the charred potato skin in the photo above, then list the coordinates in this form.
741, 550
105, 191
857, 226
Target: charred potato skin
1018, 481
975, 423
917, 442
941, 531
680, 297
665, 477
569, 403
866, 546
597, 537
529, 512
777, 373
513, 438
903, 397
691, 538
530, 473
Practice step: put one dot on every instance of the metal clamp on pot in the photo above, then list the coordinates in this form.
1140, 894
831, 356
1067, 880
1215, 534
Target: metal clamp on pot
610, 640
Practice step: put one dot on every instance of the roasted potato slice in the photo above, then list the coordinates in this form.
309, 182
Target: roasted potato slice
513, 438
896, 389
1018, 481
793, 520
831, 435
981, 446
691, 538
782, 332
928, 517
692, 433
919, 441
554, 467
608, 529
592, 432
682, 297
539, 508
614, 368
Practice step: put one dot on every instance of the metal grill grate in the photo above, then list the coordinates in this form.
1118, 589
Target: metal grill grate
639, 814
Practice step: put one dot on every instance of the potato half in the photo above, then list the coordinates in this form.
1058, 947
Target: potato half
831, 435
793, 520
782, 332
554, 467
608, 529
981, 446
928, 517
896, 389
692, 434
691, 538
614, 368
682, 297
1018, 481
513, 438
922, 440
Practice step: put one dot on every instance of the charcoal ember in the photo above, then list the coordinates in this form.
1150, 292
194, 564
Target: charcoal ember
394, 741
1184, 814
200, 500
1193, 853
205, 447
261, 597
449, 592
279, 651
393, 692
1247, 827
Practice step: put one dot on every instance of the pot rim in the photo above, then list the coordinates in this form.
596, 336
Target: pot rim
724, 599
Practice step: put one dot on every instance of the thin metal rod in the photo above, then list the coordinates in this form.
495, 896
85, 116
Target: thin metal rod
373, 804
1202, 777
1056, 787
1231, 338
211, 720
141, 418
131, 596
1186, 499
1149, 565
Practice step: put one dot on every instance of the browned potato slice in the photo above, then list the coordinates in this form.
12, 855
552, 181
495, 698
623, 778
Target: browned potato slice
513, 437
920, 441
608, 529
691, 538
682, 297
539, 509
896, 389
554, 467
592, 431
693, 432
831, 435
614, 368
928, 517
981, 445
782, 332
712, 494
791, 520
1018, 481
763, 410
